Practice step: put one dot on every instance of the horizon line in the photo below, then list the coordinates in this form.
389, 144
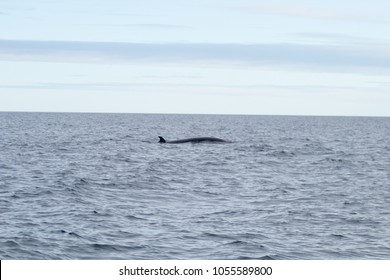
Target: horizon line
205, 114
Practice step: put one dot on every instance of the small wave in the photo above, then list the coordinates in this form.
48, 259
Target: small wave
131, 217
117, 248
237, 242
281, 153
339, 236
254, 148
217, 236
224, 212
10, 243
334, 160
215, 163
83, 181
4, 166
346, 203
245, 243
206, 192
266, 257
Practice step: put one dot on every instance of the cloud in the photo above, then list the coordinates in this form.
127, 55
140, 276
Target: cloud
68, 86
336, 37
328, 11
309, 56
154, 26
205, 88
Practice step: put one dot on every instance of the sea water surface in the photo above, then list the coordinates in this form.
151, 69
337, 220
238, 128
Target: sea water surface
100, 186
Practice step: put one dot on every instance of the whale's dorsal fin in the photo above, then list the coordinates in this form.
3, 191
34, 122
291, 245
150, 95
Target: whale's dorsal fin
162, 140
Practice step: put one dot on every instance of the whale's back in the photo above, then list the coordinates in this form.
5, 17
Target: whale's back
192, 140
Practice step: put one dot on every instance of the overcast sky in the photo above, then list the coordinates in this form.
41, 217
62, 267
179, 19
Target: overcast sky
280, 57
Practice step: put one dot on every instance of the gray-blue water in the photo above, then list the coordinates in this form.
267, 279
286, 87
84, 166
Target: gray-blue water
99, 186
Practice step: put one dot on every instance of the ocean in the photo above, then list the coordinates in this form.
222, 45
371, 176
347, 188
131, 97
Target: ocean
100, 186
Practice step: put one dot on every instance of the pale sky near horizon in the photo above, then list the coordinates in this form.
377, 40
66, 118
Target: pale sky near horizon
279, 57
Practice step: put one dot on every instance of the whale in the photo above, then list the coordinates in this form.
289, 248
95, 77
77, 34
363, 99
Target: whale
192, 140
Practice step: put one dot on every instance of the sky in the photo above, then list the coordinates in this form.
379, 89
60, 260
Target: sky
279, 57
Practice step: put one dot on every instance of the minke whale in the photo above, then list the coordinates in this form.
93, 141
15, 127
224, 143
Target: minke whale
192, 140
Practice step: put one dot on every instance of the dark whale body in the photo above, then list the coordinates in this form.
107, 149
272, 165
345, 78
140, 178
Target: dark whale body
192, 140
